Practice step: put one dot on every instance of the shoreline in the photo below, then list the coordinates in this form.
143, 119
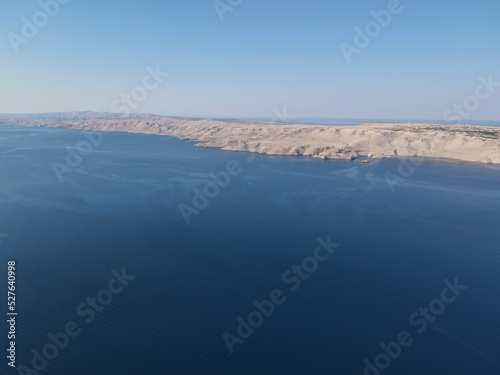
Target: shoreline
470, 143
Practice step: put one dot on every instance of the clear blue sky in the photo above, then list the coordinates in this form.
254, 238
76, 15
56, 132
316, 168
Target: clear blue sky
264, 55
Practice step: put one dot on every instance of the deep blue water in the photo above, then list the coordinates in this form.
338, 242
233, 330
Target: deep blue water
119, 208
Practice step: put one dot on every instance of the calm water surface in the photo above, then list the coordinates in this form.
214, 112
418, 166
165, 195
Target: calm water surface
120, 208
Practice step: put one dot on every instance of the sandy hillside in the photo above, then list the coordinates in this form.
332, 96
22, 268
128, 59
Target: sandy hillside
460, 142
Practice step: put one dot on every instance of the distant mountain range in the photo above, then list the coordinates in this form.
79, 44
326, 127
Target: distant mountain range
91, 115
83, 115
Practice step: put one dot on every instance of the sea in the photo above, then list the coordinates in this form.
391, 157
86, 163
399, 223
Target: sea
140, 254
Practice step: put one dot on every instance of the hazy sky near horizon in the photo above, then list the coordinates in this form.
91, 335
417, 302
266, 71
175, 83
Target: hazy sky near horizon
262, 57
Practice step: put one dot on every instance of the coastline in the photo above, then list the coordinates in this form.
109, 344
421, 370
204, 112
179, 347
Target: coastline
470, 143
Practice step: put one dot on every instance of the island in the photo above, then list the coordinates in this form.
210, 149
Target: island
469, 143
